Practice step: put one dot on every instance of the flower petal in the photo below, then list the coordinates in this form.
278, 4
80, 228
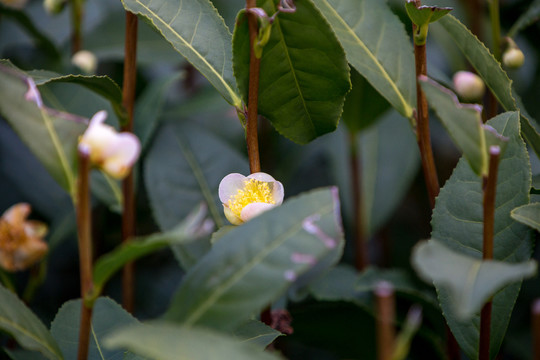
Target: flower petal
233, 219
254, 209
230, 185
17, 214
261, 177
277, 192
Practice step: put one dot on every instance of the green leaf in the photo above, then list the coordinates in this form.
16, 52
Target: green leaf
101, 85
256, 333
527, 18
164, 341
494, 76
469, 281
230, 283
423, 15
51, 135
304, 75
363, 105
528, 214
194, 226
457, 223
25, 327
377, 45
464, 124
107, 316
196, 30
183, 168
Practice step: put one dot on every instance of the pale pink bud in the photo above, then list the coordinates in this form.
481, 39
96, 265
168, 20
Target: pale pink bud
86, 61
469, 86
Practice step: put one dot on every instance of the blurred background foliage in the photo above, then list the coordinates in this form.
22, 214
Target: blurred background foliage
172, 97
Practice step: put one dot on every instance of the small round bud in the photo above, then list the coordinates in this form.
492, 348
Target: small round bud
85, 60
513, 58
54, 7
469, 86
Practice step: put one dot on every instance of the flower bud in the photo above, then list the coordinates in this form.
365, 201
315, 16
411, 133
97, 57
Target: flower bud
115, 153
54, 7
469, 86
513, 58
85, 60
21, 240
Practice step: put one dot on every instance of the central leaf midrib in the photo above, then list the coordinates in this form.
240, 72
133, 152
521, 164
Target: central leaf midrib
258, 258
236, 100
385, 74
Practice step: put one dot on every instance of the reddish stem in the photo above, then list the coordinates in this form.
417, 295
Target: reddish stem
84, 223
253, 96
385, 307
536, 329
128, 100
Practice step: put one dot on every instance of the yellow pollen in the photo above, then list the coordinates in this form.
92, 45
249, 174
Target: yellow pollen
254, 191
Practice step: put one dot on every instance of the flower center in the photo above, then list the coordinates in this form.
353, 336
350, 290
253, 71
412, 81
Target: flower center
254, 191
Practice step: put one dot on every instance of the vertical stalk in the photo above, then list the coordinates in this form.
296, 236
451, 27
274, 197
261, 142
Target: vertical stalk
385, 307
128, 100
536, 329
76, 22
489, 189
422, 126
84, 223
361, 257
253, 96
493, 104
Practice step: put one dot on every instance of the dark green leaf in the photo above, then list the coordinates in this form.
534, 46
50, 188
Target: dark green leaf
528, 214
457, 223
423, 15
165, 341
303, 74
256, 333
195, 29
25, 327
469, 281
51, 135
184, 168
376, 45
107, 316
230, 283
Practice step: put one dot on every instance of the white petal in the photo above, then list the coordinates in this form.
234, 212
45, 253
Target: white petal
233, 219
229, 186
120, 156
261, 177
277, 192
98, 118
254, 209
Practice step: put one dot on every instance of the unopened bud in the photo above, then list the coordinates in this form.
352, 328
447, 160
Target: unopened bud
469, 86
85, 60
54, 7
513, 58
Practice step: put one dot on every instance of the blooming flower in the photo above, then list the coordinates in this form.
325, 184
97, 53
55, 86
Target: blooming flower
114, 152
246, 197
21, 240
469, 86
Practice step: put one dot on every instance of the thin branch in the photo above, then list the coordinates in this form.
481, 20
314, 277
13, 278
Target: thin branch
493, 104
536, 329
128, 100
76, 23
361, 257
386, 308
84, 223
489, 188
253, 96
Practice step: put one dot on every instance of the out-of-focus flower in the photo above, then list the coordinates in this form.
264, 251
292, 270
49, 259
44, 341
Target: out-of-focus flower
513, 58
469, 86
113, 152
14, 4
244, 197
21, 240
86, 61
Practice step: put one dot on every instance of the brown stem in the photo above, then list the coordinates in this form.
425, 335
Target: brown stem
253, 96
76, 22
84, 223
128, 100
361, 258
489, 189
422, 127
385, 307
536, 329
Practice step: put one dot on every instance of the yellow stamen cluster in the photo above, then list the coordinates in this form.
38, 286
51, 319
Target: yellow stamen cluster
254, 191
